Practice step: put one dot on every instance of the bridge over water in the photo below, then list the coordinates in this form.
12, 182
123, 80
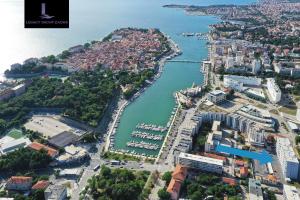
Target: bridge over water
185, 61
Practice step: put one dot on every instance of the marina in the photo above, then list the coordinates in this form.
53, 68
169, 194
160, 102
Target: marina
151, 127
145, 135
142, 145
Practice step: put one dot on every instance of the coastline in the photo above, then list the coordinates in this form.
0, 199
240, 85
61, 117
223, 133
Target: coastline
175, 51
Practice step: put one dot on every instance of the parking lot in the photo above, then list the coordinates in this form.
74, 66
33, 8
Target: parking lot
49, 126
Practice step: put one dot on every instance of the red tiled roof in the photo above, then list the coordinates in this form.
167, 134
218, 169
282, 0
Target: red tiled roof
38, 146
19, 179
244, 171
229, 181
40, 185
174, 186
179, 173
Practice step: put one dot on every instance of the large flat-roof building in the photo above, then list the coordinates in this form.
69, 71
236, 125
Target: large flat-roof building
238, 82
55, 192
201, 162
14, 145
290, 192
19, 183
274, 90
254, 129
255, 191
287, 158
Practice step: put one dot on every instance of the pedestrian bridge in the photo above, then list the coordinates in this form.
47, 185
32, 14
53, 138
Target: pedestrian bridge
185, 61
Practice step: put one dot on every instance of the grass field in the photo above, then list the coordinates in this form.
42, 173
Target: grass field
296, 98
290, 111
15, 133
261, 106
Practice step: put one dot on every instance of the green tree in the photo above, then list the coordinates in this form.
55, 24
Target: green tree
167, 176
163, 194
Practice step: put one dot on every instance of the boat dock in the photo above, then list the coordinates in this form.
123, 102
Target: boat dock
151, 127
145, 135
142, 145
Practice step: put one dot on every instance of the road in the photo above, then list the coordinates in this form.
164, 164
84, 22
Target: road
97, 160
116, 117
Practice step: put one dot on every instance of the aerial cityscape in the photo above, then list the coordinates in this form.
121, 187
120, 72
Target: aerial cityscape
176, 100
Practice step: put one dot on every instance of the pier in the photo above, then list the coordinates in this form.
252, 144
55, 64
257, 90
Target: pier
145, 135
142, 145
151, 127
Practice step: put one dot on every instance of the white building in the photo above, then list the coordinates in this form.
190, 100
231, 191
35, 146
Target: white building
201, 162
238, 82
19, 89
290, 192
256, 66
256, 137
255, 191
216, 96
274, 90
14, 145
55, 192
72, 155
233, 84
298, 111
287, 158
229, 62
76, 49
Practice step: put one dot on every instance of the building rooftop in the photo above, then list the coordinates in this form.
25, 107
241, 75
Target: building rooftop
255, 191
229, 181
40, 185
201, 159
54, 191
15, 144
291, 192
287, 149
217, 93
179, 173
19, 179
37, 146
63, 139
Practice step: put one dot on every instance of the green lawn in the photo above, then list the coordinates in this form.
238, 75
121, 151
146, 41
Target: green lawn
15, 133
290, 111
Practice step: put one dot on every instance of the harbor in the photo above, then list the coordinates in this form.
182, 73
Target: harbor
154, 104
145, 135
151, 127
142, 145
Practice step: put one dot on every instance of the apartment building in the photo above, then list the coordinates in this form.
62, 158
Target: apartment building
287, 158
200, 162
274, 90
216, 96
254, 130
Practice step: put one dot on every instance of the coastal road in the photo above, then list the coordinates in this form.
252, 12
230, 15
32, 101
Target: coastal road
111, 128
